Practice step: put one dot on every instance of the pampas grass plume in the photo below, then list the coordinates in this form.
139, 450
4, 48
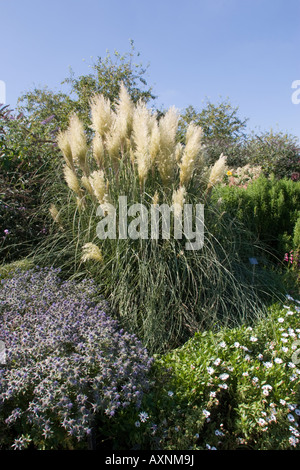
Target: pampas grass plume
101, 114
54, 213
65, 147
218, 171
91, 252
98, 150
178, 200
71, 179
124, 113
98, 185
141, 136
190, 153
78, 142
168, 125
87, 185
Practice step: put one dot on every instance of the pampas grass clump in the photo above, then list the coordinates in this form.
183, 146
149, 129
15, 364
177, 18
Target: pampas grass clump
157, 288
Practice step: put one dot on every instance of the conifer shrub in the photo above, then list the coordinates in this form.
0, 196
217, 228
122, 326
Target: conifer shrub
268, 207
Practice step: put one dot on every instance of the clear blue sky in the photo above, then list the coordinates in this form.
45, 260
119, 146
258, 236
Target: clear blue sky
245, 50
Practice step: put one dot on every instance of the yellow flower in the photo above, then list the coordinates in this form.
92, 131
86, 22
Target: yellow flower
229, 173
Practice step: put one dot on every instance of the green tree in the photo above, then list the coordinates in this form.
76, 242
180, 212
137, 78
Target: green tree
223, 129
107, 75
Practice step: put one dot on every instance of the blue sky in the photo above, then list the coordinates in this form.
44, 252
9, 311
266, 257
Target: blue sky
247, 51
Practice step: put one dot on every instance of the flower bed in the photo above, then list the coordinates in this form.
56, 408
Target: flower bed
238, 388
67, 363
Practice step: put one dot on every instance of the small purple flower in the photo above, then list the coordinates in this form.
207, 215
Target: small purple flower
66, 357
48, 119
7, 232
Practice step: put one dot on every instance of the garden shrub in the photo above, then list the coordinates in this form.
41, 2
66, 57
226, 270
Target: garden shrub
238, 389
277, 153
267, 207
224, 131
157, 288
68, 366
296, 234
27, 152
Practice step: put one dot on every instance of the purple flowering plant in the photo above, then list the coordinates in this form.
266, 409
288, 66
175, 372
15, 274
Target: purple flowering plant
67, 362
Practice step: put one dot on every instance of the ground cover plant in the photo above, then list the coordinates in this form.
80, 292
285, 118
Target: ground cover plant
68, 365
238, 389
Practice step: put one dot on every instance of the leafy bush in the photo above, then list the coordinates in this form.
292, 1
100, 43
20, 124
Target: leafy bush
238, 389
292, 259
269, 208
277, 153
296, 234
68, 365
27, 153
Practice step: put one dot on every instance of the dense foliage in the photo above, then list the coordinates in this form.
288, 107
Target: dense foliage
27, 155
223, 129
276, 152
270, 208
